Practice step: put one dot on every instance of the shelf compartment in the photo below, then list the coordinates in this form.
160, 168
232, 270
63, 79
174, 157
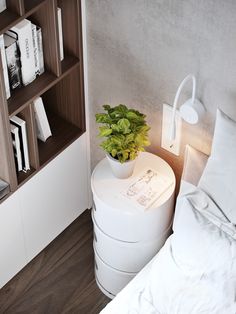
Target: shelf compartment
27, 115
66, 99
25, 95
45, 17
71, 27
63, 134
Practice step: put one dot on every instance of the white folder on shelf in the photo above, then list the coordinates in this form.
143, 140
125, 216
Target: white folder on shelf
43, 127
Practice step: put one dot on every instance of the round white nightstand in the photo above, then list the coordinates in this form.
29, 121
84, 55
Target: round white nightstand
125, 236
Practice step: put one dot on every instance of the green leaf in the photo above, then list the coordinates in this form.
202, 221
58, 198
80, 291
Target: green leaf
104, 131
106, 107
124, 125
103, 118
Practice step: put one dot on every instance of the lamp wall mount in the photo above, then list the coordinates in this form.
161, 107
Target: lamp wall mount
173, 146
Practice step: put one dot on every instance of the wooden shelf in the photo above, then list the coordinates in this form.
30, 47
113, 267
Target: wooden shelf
33, 5
7, 20
61, 86
68, 64
22, 176
63, 134
25, 95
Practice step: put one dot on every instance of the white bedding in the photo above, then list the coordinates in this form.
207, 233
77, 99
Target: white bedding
195, 271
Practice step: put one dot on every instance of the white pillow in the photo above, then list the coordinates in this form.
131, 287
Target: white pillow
219, 176
197, 243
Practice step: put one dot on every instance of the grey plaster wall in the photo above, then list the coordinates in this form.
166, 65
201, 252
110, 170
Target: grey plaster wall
140, 50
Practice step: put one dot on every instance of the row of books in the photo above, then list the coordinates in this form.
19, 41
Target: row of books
19, 135
22, 53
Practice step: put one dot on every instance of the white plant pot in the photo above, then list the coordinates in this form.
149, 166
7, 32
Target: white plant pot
121, 170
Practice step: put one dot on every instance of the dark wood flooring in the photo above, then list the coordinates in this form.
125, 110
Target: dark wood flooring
60, 279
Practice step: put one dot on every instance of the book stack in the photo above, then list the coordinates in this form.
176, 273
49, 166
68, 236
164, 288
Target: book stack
23, 57
21, 50
20, 143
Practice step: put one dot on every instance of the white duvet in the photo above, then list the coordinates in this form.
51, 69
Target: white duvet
195, 271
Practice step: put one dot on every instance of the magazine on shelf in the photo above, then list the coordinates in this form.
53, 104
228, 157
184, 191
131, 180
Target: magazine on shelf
16, 146
13, 61
43, 127
21, 125
4, 66
146, 188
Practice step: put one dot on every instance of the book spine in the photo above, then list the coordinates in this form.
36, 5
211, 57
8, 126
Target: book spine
13, 66
42, 123
21, 143
35, 47
25, 42
59, 20
16, 147
40, 50
21, 124
2, 5
4, 66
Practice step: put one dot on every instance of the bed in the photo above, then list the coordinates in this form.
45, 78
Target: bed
195, 271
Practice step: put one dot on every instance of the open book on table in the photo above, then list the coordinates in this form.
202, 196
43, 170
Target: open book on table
146, 188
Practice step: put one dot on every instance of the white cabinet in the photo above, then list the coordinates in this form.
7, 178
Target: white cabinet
53, 198
42, 208
12, 248
125, 236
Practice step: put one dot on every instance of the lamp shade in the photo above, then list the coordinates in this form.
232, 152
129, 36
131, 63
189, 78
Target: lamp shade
192, 111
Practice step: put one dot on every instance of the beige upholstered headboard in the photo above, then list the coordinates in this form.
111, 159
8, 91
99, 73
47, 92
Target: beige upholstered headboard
194, 164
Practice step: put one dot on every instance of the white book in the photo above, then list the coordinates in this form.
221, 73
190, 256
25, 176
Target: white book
59, 20
21, 124
43, 127
4, 66
16, 146
25, 41
36, 50
40, 50
2, 5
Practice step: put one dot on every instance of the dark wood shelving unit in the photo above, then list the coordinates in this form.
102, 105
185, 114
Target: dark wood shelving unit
60, 86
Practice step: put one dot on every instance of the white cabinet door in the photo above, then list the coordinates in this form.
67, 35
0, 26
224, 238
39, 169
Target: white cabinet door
12, 249
54, 197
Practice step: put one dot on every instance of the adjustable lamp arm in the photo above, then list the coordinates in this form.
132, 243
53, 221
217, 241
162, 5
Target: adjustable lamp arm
187, 78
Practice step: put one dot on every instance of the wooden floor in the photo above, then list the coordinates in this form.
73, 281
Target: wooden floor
60, 279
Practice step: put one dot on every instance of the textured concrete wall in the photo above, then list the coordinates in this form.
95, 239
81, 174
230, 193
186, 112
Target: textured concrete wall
140, 50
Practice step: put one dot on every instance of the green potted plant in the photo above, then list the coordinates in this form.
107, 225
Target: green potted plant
126, 134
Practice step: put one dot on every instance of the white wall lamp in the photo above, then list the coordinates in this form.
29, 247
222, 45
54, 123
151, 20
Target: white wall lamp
191, 111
